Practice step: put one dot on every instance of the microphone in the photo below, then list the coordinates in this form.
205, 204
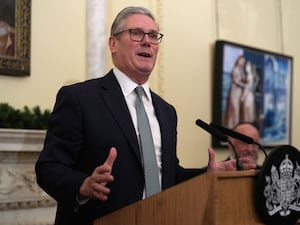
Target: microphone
222, 137
212, 130
239, 136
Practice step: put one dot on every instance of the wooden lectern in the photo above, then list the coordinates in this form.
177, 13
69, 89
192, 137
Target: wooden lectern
220, 198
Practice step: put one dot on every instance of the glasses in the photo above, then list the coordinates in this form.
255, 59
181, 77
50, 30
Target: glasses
139, 34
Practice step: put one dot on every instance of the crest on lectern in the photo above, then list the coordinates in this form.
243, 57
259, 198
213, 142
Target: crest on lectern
278, 187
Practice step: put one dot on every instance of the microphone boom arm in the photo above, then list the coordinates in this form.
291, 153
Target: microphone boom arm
239, 136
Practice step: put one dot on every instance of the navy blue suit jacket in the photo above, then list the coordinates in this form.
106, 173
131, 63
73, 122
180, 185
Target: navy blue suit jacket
87, 120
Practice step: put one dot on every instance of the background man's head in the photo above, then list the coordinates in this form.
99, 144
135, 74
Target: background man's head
243, 149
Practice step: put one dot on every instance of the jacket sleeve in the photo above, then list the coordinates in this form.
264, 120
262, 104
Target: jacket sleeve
55, 168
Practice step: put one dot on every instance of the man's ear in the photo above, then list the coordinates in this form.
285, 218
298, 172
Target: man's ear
112, 41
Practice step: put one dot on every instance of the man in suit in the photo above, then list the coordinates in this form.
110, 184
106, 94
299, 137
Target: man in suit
91, 162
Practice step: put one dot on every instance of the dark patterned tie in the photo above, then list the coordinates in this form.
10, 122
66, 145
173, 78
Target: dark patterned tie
152, 185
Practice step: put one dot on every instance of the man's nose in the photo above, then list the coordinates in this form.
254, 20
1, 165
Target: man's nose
252, 147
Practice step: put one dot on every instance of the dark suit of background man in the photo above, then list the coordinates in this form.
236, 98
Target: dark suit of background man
91, 162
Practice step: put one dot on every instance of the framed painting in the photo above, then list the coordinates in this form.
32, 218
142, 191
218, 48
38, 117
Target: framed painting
15, 21
254, 86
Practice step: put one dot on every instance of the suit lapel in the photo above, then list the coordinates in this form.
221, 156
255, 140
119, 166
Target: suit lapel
162, 120
115, 101
168, 139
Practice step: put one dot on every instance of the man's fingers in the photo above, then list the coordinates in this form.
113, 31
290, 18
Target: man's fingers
108, 164
111, 157
212, 165
95, 185
99, 188
211, 156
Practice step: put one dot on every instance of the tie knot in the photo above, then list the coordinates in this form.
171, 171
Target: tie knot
139, 91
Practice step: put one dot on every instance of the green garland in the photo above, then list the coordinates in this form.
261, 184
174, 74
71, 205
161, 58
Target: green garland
25, 118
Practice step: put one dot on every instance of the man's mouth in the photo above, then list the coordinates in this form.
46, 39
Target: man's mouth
144, 54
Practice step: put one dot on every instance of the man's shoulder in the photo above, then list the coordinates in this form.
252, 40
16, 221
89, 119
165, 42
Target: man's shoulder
90, 83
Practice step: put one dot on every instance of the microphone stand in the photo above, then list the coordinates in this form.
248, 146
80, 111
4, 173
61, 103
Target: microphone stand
239, 165
261, 148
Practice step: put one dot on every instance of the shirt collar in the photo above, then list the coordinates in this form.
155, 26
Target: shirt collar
128, 85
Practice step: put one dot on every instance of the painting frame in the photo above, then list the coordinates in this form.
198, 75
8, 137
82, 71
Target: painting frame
18, 64
271, 102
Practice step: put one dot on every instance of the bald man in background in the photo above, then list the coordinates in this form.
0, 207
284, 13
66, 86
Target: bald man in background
243, 149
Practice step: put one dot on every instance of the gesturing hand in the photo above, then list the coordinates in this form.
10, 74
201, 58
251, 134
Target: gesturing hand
228, 165
94, 186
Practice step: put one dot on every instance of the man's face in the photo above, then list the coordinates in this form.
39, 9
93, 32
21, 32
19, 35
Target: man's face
135, 59
243, 149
